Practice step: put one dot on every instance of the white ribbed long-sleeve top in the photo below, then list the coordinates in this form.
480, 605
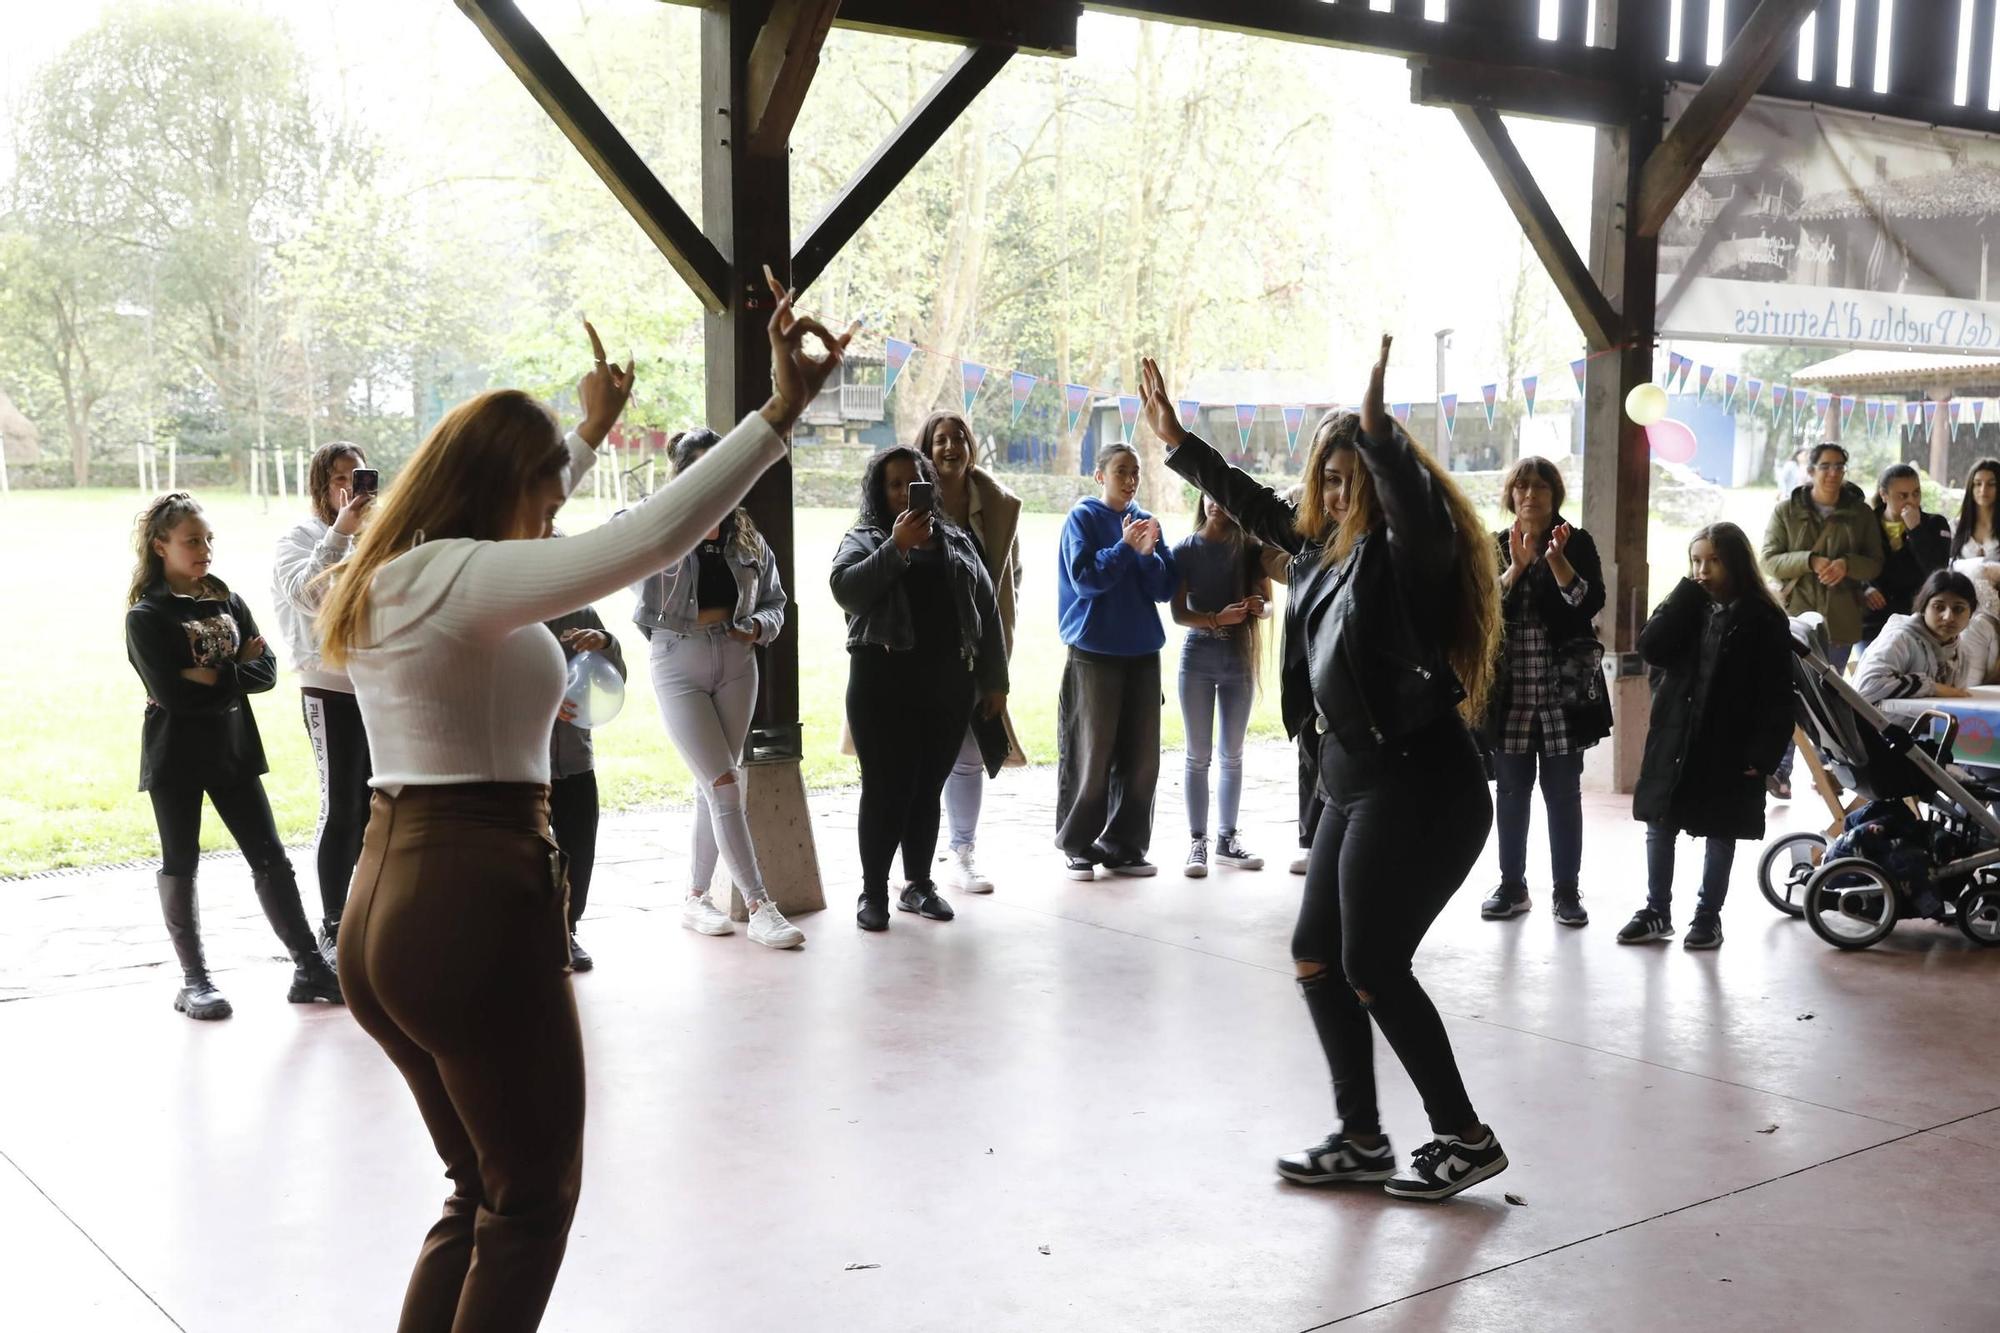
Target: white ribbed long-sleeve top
458, 680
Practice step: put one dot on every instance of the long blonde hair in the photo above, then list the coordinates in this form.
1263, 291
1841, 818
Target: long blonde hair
1474, 626
467, 479
155, 523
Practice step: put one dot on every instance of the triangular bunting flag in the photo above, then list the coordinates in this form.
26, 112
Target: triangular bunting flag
1929, 409
1779, 395
1701, 381
1528, 383
1800, 397
895, 355
1491, 393
1951, 409
1400, 411
1820, 405
1188, 409
1449, 403
1845, 405
1753, 393
1024, 387
1978, 411
1075, 398
1687, 364
1729, 390
1576, 368
1128, 413
971, 375
1246, 417
1294, 417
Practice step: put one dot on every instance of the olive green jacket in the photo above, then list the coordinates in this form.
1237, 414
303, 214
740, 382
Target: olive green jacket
1797, 533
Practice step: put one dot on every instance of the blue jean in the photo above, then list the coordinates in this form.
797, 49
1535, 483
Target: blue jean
1715, 864
1836, 657
965, 792
1562, 799
1214, 675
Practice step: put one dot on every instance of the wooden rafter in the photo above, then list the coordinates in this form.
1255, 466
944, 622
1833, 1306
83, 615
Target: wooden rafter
1752, 56
1536, 93
879, 176
782, 64
1032, 27
1572, 277
615, 161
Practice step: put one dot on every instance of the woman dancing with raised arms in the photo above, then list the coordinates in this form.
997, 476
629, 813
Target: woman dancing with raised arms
455, 947
1393, 583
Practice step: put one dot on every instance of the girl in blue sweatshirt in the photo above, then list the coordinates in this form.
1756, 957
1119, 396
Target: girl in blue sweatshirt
1115, 571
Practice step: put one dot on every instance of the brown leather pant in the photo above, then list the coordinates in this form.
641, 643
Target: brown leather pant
454, 954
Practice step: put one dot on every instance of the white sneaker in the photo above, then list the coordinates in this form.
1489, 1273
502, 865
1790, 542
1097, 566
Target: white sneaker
963, 871
769, 927
699, 913
1299, 862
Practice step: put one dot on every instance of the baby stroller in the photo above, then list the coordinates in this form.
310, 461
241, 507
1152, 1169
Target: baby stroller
1923, 841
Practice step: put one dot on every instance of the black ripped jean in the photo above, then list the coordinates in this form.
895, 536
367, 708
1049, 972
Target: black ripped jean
1399, 834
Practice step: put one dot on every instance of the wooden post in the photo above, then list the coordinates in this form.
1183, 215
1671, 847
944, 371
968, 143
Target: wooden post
747, 213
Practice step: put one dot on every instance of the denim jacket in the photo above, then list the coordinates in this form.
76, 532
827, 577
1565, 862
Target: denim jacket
667, 599
867, 582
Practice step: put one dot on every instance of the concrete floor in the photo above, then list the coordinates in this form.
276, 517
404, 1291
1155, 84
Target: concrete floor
1057, 1112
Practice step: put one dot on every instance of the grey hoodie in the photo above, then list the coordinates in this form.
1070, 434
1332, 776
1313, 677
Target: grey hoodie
1906, 662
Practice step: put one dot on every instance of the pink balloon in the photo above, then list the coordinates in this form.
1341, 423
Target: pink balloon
1672, 441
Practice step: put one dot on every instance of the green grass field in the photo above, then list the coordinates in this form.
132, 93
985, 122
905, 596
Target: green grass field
70, 725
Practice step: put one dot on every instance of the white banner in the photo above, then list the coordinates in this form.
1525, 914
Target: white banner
1816, 226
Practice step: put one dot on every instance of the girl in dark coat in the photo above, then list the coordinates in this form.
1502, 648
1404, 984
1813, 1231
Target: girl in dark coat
1549, 703
1720, 653
1915, 545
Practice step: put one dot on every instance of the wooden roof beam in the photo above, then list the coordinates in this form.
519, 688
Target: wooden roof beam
898, 155
1032, 27
1572, 277
616, 162
1536, 93
782, 64
1765, 39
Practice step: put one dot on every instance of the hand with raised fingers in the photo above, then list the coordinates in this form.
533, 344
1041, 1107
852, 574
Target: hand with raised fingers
1156, 407
797, 375
1375, 421
349, 510
604, 391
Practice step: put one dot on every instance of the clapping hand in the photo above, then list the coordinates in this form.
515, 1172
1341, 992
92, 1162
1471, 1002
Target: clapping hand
1375, 422
1557, 554
1141, 534
603, 392
1519, 552
1156, 408
796, 374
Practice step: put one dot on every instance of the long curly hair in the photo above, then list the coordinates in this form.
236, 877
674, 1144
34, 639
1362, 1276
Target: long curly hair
319, 475
155, 524
1473, 624
875, 511
686, 449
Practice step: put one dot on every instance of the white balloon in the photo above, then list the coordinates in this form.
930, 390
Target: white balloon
596, 688
1646, 404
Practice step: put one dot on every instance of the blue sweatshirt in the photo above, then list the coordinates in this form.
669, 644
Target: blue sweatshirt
1106, 592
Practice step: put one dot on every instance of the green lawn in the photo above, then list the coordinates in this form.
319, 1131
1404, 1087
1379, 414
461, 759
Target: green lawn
71, 724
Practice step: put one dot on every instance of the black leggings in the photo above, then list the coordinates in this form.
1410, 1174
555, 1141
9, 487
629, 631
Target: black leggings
340, 750
1399, 833
908, 718
245, 811
573, 824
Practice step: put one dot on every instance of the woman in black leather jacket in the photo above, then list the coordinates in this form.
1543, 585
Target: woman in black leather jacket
1394, 599
924, 647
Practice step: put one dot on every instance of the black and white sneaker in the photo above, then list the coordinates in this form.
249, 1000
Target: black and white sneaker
1704, 932
922, 898
1131, 867
1568, 907
1080, 867
1646, 925
1231, 853
1446, 1165
1336, 1161
1509, 900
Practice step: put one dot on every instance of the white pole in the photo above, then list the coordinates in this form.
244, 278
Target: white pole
139, 456
299, 463
256, 472
173, 451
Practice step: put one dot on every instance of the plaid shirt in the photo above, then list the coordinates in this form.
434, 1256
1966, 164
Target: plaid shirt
1534, 721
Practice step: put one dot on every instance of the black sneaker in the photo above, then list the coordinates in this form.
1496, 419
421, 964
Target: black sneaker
1336, 1161
1646, 925
1231, 853
871, 909
579, 960
1079, 867
1704, 932
1446, 1165
1131, 867
1507, 901
922, 898
1568, 907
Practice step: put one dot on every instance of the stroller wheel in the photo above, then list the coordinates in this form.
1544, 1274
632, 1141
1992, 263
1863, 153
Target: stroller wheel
1788, 862
1851, 903
1979, 915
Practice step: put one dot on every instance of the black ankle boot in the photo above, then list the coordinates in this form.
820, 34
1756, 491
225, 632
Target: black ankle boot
872, 908
313, 980
198, 997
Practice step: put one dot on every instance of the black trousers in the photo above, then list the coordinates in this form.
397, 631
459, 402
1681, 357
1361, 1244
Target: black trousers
245, 812
1311, 803
1398, 836
340, 750
908, 718
1108, 754
573, 824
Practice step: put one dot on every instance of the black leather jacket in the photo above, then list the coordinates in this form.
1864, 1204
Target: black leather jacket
1364, 637
867, 582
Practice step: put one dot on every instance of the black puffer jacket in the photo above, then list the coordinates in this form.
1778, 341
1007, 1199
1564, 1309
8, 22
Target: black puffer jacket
1365, 637
1705, 733
1588, 723
1926, 549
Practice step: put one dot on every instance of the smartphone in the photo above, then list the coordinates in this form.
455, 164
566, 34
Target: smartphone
923, 497
366, 480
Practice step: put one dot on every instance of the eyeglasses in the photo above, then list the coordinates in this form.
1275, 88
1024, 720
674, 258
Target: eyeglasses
1829, 467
